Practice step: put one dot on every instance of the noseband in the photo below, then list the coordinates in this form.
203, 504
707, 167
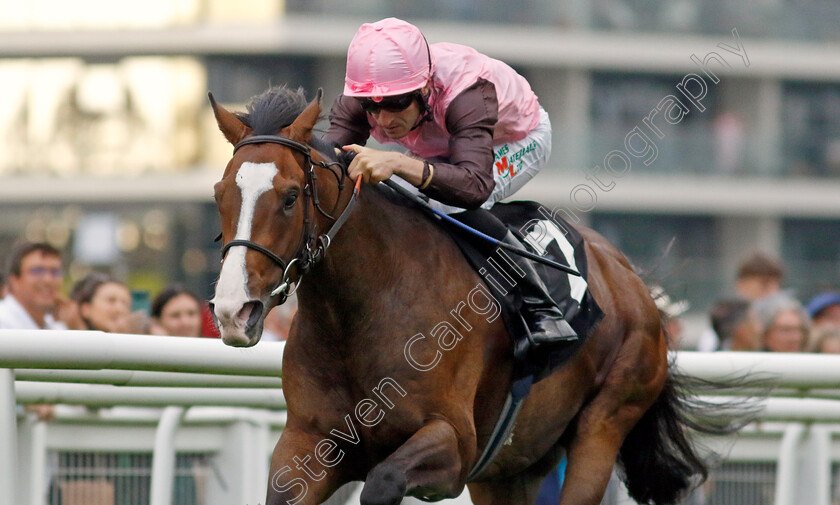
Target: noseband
308, 255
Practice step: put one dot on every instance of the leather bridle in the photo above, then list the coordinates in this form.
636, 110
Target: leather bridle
313, 248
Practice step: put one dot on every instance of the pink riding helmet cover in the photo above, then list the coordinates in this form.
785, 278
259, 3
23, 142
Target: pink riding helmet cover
386, 58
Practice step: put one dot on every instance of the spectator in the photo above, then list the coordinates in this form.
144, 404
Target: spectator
759, 276
33, 301
736, 326
825, 309
785, 326
827, 339
176, 311
104, 303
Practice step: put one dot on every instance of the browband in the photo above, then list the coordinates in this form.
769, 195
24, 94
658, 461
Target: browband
273, 139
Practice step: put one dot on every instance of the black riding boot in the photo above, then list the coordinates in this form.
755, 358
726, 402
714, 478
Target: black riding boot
545, 321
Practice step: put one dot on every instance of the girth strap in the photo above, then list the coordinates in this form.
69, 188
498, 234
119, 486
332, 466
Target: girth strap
504, 425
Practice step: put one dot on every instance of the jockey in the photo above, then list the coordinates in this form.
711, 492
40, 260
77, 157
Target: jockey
473, 128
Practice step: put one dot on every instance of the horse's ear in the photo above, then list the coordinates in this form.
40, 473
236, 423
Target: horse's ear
233, 129
301, 129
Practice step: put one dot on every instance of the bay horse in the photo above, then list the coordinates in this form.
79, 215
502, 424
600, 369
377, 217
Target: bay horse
358, 408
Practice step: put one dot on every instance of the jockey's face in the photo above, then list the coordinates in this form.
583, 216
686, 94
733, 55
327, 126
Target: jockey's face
397, 115
397, 124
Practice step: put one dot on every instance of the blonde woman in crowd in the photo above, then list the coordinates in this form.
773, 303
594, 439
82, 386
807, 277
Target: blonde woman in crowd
785, 325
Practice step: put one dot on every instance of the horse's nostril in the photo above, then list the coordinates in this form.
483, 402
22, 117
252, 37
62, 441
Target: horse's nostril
253, 311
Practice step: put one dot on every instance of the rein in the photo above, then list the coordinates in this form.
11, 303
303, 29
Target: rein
307, 255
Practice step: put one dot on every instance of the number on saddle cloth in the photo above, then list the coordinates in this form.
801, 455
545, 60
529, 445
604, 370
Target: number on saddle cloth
544, 236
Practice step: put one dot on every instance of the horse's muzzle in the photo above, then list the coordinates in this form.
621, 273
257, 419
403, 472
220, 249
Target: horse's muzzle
242, 327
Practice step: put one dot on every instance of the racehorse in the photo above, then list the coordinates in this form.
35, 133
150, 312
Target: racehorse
358, 407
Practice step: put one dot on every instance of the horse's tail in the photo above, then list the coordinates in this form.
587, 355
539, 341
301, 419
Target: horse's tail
659, 460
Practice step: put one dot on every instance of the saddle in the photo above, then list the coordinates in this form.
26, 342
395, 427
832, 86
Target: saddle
545, 235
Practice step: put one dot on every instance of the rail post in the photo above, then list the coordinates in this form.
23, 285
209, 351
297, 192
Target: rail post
8, 437
163, 457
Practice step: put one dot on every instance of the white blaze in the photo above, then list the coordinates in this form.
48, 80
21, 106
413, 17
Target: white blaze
253, 179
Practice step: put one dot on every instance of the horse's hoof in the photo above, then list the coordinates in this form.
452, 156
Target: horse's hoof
385, 485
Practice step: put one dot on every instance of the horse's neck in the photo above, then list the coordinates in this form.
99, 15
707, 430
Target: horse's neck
366, 258
368, 242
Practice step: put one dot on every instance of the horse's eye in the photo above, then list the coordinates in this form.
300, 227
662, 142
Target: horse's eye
290, 200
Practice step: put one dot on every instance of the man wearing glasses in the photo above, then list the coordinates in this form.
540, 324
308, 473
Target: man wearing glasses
33, 284
473, 128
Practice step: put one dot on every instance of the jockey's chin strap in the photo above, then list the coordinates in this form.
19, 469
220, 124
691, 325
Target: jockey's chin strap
313, 248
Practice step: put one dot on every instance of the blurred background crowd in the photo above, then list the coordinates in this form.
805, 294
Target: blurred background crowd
758, 314
33, 296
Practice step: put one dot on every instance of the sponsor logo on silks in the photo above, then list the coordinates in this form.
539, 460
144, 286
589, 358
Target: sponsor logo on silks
505, 170
509, 166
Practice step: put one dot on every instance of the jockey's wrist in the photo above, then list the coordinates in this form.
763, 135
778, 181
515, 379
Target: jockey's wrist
411, 169
428, 173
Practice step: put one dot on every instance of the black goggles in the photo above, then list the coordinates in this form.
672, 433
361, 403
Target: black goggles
390, 103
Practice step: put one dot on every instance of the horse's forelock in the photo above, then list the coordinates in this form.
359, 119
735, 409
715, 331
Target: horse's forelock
278, 107
274, 109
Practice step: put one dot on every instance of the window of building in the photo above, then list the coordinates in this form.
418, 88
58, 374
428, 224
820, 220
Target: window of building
621, 102
811, 254
811, 128
235, 79
688, 270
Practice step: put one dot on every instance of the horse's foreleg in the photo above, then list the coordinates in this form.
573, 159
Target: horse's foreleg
428, 464
297, 476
